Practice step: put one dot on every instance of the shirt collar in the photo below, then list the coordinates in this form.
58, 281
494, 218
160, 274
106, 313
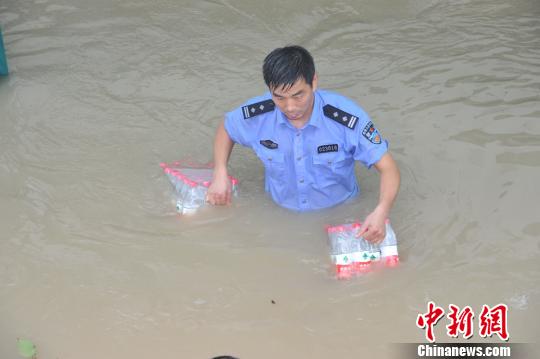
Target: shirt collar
314, 120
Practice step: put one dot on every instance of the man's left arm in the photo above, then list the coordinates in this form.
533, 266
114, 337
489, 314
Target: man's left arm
373, 228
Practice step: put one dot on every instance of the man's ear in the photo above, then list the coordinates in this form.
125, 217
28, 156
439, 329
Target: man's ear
315, 82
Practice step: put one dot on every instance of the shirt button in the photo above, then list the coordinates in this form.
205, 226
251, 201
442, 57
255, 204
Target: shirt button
298, 158
301, 181
304, 201
269, 158
297, 134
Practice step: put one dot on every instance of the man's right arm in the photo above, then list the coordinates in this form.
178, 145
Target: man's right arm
219, 192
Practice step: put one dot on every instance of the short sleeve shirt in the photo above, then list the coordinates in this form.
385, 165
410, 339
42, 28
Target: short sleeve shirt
313, 167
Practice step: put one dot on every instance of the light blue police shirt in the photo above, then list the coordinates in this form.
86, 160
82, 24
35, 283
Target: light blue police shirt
312, 167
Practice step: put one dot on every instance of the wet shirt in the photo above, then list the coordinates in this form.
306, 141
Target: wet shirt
312, 167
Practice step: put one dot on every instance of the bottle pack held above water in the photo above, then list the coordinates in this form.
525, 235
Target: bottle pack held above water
190, 181
352, 256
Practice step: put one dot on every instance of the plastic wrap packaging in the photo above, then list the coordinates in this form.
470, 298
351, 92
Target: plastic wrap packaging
190, 181
352, 256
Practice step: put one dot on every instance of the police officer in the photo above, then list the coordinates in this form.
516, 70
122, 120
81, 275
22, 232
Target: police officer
308, 140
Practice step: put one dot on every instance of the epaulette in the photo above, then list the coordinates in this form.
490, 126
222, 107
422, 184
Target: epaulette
258, 108
341, 117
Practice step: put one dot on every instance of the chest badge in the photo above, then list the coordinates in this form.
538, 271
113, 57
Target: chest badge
328, 148
269, 144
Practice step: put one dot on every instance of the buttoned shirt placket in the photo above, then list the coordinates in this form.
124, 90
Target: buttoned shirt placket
300, 168
300, 154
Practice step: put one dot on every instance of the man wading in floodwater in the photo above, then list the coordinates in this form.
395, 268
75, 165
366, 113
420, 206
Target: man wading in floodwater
308, 140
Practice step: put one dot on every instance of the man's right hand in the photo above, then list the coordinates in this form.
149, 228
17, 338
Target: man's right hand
219, 192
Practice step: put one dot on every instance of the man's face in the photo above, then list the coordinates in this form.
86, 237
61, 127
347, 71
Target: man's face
296, 102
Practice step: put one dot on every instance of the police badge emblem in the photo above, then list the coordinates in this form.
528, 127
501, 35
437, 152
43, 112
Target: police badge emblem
371, 133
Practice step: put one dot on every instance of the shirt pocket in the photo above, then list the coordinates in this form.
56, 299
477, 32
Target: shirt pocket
332, 167
274, 163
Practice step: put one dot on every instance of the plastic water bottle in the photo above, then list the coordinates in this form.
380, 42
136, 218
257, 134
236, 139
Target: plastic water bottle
181, 188
389, 251
234, 186
361, 251
341, 252
352, 256
178, 183
190, 195
374, 251
190, 182
186, 203
166, 170
200, 195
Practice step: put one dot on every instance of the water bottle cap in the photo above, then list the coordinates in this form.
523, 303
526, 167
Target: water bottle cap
391, 261
344, 271
335, 229
163, 165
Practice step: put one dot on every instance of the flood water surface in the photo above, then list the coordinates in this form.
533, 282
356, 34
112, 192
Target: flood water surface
94, 260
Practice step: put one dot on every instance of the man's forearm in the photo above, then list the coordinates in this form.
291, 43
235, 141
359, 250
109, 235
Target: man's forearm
223, 146
389, 183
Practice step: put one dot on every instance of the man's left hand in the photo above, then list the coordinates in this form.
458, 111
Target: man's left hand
373, 229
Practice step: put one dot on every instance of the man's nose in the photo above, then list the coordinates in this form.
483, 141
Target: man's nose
289, 105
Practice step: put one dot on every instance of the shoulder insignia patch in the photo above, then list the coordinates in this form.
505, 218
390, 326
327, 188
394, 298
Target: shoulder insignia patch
371, 133
258, 108
341, 117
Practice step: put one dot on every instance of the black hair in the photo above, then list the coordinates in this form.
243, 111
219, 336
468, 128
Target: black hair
285, 65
